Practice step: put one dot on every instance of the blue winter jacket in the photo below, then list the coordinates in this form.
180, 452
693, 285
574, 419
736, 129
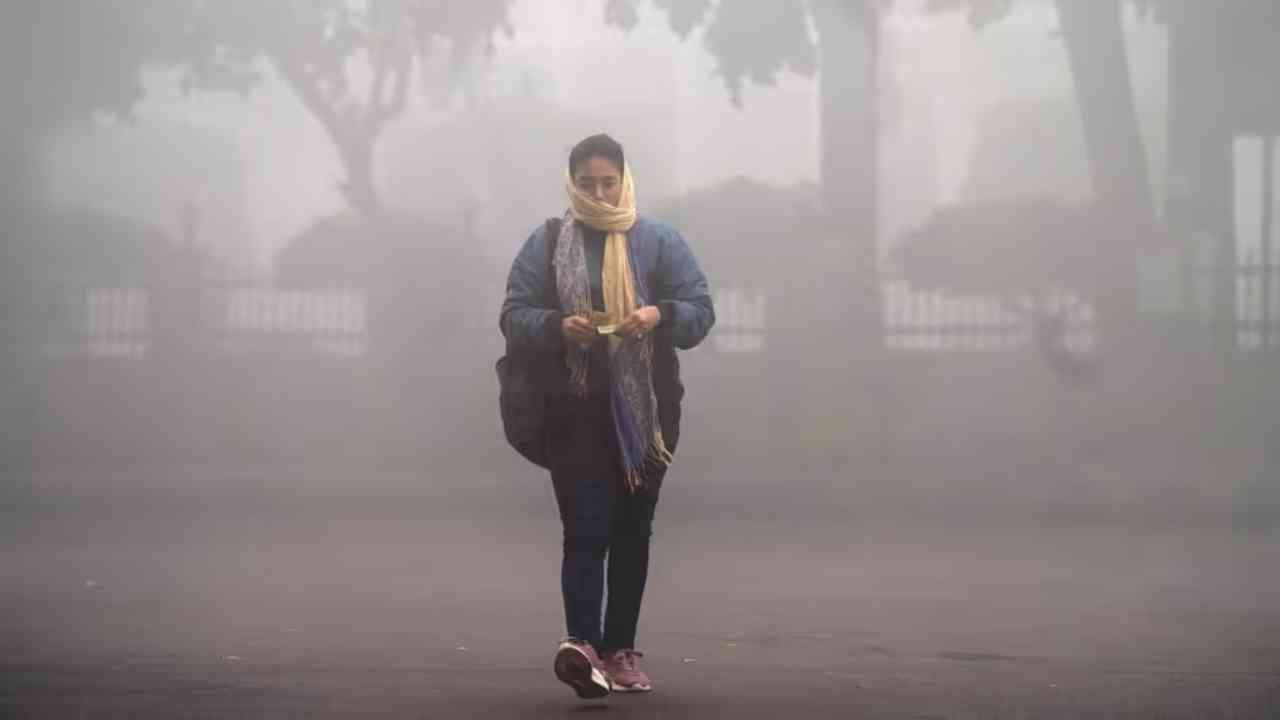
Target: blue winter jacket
668, 273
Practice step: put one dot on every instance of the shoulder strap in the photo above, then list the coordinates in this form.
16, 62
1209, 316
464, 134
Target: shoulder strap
553, 235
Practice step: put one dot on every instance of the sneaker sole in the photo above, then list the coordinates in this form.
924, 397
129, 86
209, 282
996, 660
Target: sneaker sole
632, 688
575, 670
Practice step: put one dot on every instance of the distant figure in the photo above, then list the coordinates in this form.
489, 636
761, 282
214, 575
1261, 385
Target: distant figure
176, 306
1049, 332
627, 292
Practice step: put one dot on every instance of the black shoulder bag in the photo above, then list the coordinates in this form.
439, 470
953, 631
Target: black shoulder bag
524, 380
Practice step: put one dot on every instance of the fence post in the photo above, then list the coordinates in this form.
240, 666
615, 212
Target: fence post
1221, 187
1268, 220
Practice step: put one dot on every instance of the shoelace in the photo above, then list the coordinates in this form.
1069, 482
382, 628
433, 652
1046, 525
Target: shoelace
627, 658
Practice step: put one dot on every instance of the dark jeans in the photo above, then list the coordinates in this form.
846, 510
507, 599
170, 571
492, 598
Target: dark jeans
601, 518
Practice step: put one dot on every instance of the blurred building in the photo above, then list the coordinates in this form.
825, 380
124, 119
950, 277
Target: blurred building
185, 178
1224, 120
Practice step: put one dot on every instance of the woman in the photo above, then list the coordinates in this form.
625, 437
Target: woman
613, 295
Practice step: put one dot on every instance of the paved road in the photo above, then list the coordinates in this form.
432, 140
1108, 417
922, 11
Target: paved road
263, 604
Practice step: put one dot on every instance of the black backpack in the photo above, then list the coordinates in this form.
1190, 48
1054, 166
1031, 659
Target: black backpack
525, 378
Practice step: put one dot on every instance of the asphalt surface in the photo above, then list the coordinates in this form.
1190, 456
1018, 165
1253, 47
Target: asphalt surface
265, 602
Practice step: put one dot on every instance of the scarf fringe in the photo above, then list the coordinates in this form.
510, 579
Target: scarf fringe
578, 363
635, 409
646, 350
656, 453
659, 450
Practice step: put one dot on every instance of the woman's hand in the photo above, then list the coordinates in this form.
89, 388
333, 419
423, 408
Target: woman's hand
577, 329
640, 322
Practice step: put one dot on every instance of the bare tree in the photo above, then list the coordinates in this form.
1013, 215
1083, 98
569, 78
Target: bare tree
1093, 35
753, 42
351, 64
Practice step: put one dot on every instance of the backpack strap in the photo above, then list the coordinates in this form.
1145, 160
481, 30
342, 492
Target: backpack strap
553, 225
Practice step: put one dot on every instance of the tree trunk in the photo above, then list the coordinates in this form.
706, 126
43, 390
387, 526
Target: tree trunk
848, 47
1093, 31
19, 157
359, 188
1201, 130
20, 361
848, 41
352, 134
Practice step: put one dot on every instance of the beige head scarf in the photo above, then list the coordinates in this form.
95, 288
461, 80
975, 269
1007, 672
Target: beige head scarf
616, 278
634, 403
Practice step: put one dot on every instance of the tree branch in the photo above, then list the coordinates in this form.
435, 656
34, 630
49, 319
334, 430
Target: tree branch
380, 111
378, 54
310, 94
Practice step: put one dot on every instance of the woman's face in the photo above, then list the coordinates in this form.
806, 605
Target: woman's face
600, 178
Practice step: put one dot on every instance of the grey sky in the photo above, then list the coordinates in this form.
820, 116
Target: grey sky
656, 92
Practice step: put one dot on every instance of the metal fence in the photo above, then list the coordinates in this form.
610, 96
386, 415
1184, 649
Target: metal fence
1257, 315
332, 323
134, 322
131, 322
932, 321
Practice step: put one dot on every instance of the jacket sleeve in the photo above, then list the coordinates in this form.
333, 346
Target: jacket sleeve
527, 321
684, 298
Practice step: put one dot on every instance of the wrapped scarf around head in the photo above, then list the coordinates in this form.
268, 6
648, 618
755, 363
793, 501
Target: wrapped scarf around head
635, 407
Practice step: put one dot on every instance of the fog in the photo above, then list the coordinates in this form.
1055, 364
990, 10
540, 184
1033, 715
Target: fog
988, 423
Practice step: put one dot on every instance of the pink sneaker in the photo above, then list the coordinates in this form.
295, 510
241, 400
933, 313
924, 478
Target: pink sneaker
623, 673
578, 666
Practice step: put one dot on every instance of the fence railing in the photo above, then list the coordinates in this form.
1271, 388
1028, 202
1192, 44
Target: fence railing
333, 322
113, 324
132, 322
1257, 315
741, 318
934, 321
